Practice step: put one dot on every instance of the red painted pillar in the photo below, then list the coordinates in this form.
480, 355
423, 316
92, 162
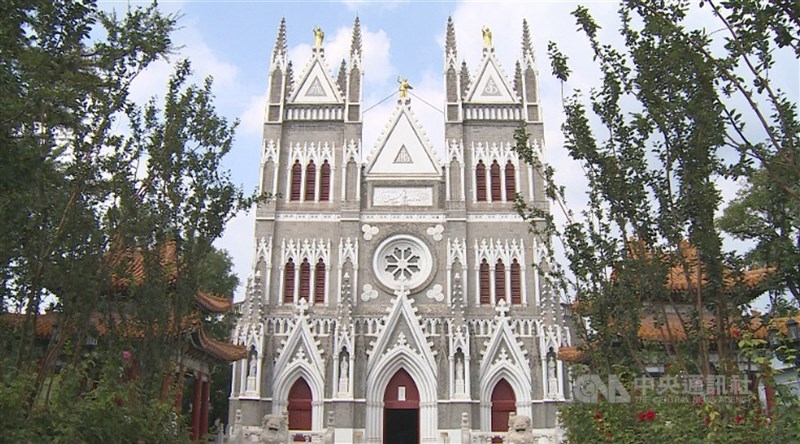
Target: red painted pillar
206, 381
196, 406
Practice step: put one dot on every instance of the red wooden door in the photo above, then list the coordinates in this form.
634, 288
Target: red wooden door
401, 410
300, 406
503, 403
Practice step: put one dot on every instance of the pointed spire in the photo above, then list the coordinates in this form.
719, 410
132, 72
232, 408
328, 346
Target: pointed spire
518, 79
279, 53
450, 50
527, 47
341, 79
355, 44
464, 79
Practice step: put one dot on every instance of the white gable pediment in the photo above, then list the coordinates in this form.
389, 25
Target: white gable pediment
490, 85
403, 149
503, 350
300, 346
317, 85
402, 331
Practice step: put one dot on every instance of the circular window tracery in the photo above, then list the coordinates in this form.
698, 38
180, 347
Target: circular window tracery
402, 261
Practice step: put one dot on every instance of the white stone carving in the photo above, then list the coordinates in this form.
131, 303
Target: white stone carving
311, 249
435, 293
402, 261
368, 293
402, 196
436, 232
270, 151
352, 151
455, 150
400, 217
369, 231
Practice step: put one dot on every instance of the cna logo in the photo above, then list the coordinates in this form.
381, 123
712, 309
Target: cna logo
589, 388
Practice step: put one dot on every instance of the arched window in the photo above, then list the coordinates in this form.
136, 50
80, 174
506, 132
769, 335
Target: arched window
499, 281
480, 182
485, 284
319, 283
325, 182
497, 189
305, 280
516, 284
503, 403
297, 181
300, 400
511, 182
288, 282
311, 178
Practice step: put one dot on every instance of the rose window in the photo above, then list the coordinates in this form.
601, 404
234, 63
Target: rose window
402, 261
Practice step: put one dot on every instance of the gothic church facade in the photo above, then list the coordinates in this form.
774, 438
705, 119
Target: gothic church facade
394, 294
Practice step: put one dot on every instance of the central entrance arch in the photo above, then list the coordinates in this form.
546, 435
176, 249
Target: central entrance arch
503, 403
300, 400
401, 410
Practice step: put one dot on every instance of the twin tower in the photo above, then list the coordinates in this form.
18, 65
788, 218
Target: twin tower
398, 297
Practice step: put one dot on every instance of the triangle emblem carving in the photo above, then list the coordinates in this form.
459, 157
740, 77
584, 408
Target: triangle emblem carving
316, 89
403, 156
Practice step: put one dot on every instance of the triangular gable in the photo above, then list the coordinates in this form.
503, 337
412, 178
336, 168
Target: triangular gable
300, 344
504, 346
316, 84
402, 318
490, 85
404, 148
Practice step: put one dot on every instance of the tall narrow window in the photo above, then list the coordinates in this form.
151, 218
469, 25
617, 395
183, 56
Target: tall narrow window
499, 281
480, 181
311, 181
288, 282
305, 280
325, 182
485, 287
319, 283
497, 189
297, 181
516, 284
511, 182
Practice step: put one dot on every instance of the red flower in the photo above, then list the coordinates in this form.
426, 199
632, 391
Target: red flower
735, 332
708, 420
647, 416
739, 419
118, 400
598, 415
699, 400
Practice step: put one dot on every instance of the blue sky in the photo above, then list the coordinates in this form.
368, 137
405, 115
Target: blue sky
233, 41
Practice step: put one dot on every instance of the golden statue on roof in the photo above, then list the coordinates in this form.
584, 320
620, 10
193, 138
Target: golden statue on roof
487, 37
319, 36
404, 87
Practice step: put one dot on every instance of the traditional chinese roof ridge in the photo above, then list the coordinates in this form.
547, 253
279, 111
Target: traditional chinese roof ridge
133, 262
682, 278
221, 350
213, 303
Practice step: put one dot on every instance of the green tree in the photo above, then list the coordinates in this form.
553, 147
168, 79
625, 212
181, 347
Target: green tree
653, 138
109, 209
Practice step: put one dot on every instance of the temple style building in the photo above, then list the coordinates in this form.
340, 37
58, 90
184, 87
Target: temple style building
393, 295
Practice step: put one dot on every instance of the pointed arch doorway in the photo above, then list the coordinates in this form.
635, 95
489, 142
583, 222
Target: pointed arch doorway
401, 410
503, 404
299, 409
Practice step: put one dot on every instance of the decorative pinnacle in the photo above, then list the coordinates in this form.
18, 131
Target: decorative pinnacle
279, 53
450, 39
527, 48
355, 45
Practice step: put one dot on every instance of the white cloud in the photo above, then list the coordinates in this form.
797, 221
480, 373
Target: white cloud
252, 116
238, 241
377, 66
